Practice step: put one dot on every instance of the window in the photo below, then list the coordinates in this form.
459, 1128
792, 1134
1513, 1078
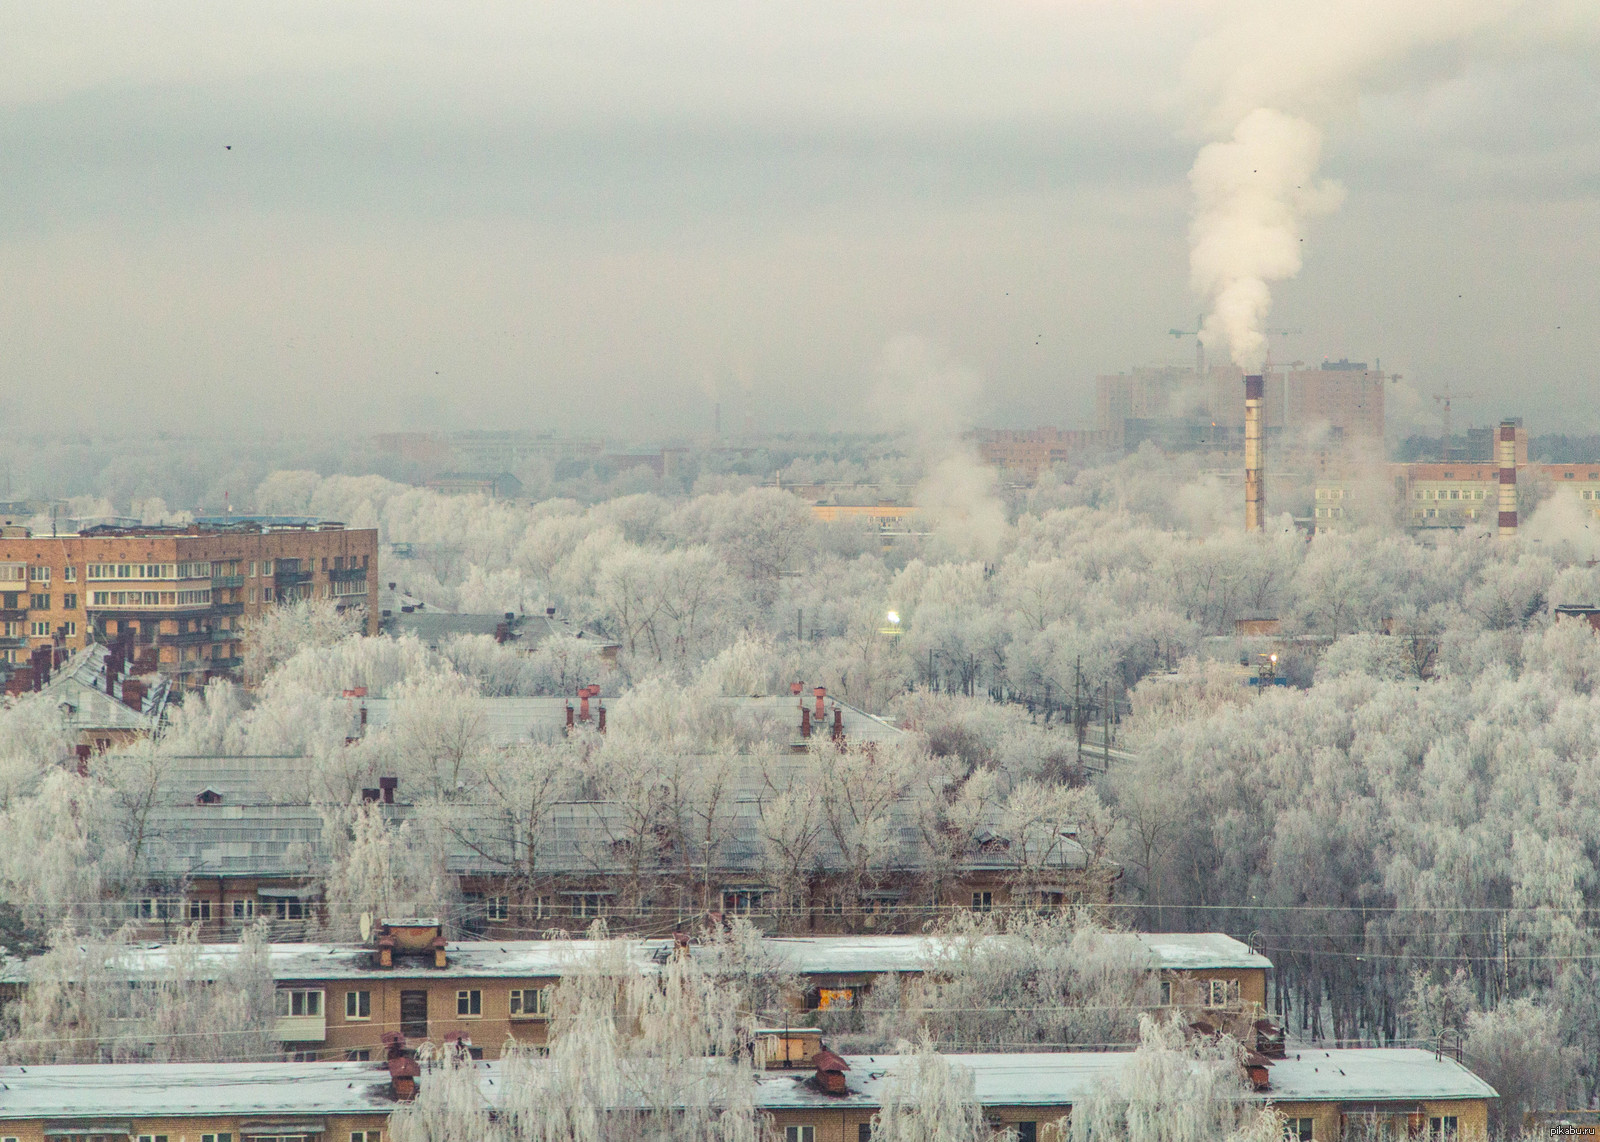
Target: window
70, 573
39, 630
1222, 993
292, 1002
69, 601
982, 902
338, 562
835, 998
1441, 1127
152, 1138
585, 904
366, 1136
1297, 1129
361, 1056
1027, 1131
252, 568
199, 910
194, 570
799, 1134
324, 562
288, 909
244, 909
864, 1132
39, 602
252, 594
266, 568
358, 1005
266, 594
1166, 993
469, 1003
530, 1002
743, 901
39, 574
499, 907
216, 1138
309, 1055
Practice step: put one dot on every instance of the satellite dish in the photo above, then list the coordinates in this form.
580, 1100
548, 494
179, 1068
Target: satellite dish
366, 926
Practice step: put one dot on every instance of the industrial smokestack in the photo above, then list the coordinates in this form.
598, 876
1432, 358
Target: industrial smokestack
1255, 501
1508, 479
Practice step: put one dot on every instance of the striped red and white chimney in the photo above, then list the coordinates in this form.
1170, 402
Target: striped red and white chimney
1255, 500
1507, 445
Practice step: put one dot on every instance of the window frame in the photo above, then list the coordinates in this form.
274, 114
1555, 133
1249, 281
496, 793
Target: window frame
469, 1003
517, 1002
361, 1000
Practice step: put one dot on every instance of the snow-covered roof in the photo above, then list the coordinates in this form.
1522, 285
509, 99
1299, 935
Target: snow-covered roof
79, 688
147, 1090
1372, 1074
490, 959
1193, 951
1379, 1074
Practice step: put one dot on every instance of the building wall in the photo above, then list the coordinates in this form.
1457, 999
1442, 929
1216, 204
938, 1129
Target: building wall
1472, 1117
192, 1128
191, 638
488, 1031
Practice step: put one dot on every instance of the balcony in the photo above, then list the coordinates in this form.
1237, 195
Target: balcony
226, 663
13, 643
291, 578
226, 582
347, 574
186, 638
12, 616
227, 608
226, 635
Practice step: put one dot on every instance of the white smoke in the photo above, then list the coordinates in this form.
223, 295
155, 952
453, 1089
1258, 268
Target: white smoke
1267, 85
1252, 195
922, 390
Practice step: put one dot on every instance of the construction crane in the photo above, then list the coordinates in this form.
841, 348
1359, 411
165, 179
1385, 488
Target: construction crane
1443, 401
1199, 345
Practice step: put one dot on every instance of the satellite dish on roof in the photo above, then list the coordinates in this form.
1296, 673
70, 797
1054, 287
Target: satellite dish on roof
366, 926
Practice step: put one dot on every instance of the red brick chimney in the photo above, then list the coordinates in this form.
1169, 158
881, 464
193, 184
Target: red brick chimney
821, 692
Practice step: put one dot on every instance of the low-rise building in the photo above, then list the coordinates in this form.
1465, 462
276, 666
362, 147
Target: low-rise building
337, 1001
1325, 1096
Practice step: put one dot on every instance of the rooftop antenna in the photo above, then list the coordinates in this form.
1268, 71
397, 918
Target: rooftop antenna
1199, 343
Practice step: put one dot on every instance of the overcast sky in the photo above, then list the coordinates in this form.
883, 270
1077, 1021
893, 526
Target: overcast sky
606, 216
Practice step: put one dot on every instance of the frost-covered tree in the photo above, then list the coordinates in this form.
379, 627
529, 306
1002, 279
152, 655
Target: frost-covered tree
1518, 1049
929, 1097
632, 1058
1175, 1088
79, 1005
278, 634
380, 868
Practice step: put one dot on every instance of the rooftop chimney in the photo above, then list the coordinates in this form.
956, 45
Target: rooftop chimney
805, 722
1507, 447
1255, 502
388, 785
838, 724
830, 1072
820, 692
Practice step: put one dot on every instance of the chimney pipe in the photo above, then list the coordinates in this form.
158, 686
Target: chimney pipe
388, 785
1255, 502
1508, 479
805, 722
838, 723
820, 692
569, 717
601, 724
583, 704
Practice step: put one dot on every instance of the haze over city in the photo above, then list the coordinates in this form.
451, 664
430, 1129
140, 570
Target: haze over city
1022, 571
611, 216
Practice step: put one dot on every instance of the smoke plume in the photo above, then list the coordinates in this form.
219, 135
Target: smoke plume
1252, 194
1266, 86
921, 391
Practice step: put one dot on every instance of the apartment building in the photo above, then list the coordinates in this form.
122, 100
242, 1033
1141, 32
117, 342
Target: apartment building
1324, 1096
180, 595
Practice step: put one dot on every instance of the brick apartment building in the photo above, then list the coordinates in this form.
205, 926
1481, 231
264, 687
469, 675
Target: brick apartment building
181, 593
